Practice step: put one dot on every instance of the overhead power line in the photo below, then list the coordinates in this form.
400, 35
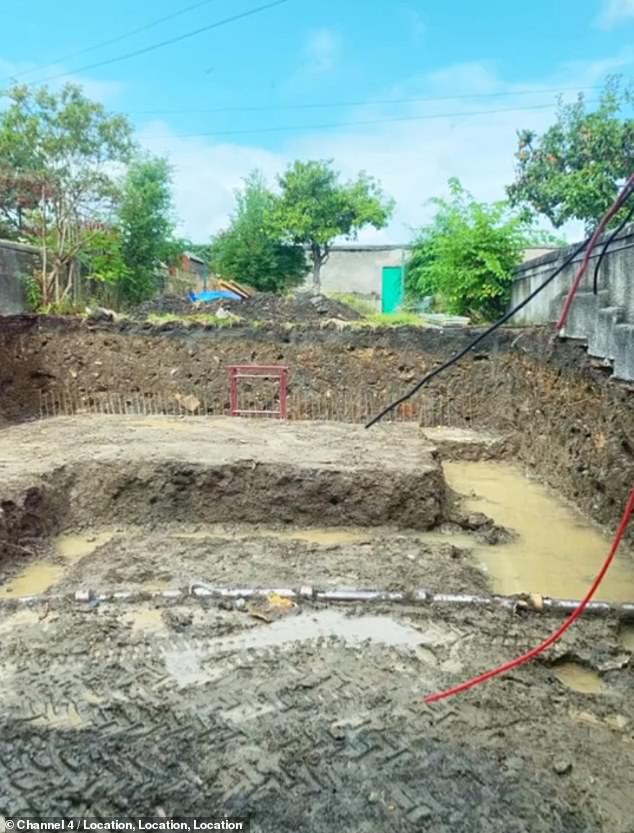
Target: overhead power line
216, 25
130, 33
361, 123
253, 108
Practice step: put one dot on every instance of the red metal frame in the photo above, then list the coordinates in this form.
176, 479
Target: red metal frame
259, 371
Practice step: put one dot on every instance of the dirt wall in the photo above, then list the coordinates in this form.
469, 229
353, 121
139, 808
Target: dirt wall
573, 426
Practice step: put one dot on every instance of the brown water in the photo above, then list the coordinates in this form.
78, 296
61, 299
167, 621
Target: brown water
40, 576
579, 678
626, 637
557, 552
144, 619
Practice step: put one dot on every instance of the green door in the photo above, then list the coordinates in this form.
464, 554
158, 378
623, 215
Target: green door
392, 288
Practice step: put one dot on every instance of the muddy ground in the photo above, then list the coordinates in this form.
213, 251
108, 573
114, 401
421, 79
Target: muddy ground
174, 556
314, 722
66, 472
302, 718
567, 420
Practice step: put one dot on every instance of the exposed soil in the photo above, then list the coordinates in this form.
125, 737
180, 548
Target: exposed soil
94, 470
312, 723
261, 307
565, 419
174, 556
315, 721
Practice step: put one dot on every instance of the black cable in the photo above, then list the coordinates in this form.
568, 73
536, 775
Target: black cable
480, 337
167, 42
363, 123
377, 102
609, 241
115, 39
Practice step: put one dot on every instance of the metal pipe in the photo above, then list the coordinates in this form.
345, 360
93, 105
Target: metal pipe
416, 596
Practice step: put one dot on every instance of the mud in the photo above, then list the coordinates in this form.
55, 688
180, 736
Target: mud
315, 721
134, 518
564, 418
66, 472
264, 557
316, 725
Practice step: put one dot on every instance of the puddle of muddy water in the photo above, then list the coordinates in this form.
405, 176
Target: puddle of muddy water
186, 668
578, 678
74, 547
557, 553
626, 637
40, 576
144, 619
326, 623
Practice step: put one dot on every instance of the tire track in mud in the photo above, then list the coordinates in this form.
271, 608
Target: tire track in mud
319, 735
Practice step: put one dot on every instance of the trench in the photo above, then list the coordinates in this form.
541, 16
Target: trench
318, 708
154, 539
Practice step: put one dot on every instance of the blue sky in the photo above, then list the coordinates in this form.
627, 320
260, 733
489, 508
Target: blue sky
445, 59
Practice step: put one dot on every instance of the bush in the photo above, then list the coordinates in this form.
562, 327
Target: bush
250, 251
465, 259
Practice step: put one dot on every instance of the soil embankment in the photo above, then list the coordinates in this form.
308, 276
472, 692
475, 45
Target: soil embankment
571, 425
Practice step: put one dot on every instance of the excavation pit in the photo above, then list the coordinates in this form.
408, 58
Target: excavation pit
314, 719
116, 503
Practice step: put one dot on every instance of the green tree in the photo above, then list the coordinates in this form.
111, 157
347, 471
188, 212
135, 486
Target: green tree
56, 158
574, 170
315, 208
249, 249
146, 226
466, 256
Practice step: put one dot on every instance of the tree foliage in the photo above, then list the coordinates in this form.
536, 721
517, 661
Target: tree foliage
57, 152
574, 170
250, 250
315, 208
146, 227
467, 255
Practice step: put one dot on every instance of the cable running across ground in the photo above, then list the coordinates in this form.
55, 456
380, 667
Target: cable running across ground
554, 637
589, 242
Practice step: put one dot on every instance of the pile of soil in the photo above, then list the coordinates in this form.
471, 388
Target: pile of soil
263, 306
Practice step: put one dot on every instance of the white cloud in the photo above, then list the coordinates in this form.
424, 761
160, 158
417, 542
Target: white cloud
412, 159
206, 175
320, 59
105, 92
323, 51
614, 12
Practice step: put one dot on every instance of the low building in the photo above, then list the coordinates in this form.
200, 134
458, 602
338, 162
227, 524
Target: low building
374, 273
377, 273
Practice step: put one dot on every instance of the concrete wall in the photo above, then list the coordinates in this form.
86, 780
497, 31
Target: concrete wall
604, 321
17, 261
358, 269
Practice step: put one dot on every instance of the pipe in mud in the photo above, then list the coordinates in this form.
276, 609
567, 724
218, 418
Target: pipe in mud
417, 596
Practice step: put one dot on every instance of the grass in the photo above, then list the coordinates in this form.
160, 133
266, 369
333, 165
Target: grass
365, 308
372, 318
396, 319
208, 319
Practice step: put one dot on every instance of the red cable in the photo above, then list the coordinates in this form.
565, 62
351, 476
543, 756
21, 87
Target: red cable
514, 663
616, 205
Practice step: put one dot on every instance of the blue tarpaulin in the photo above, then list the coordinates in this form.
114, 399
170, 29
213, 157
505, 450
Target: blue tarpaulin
214, 295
